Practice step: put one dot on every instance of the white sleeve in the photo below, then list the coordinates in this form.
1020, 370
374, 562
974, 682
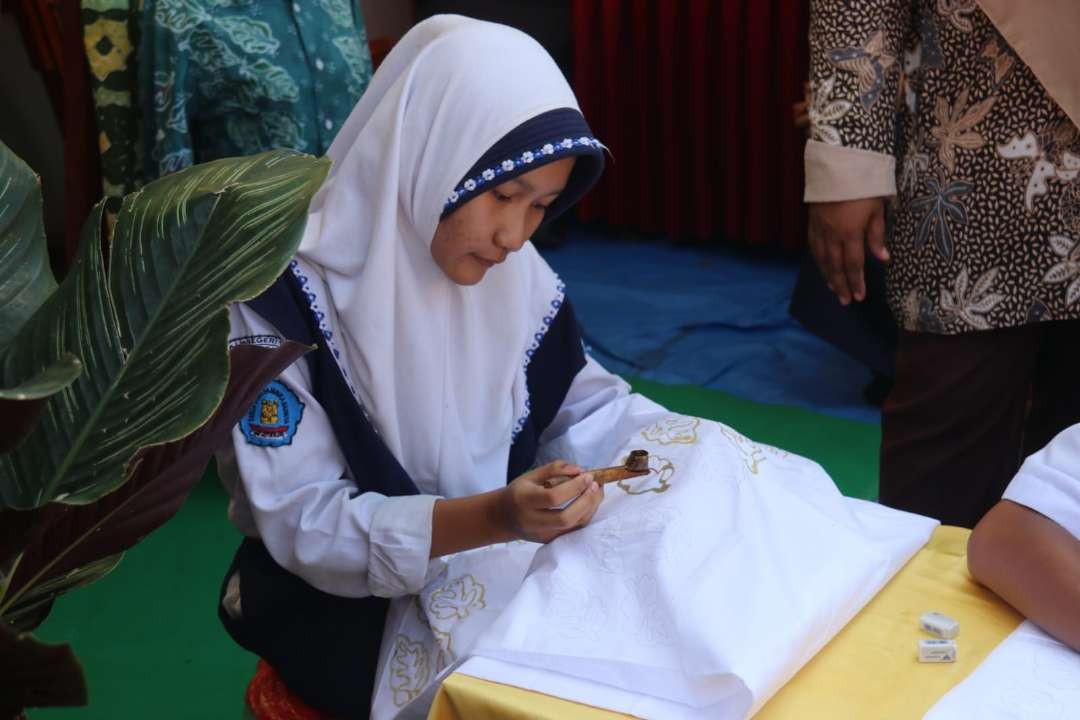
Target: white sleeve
307, 510
1049, 481
599, 411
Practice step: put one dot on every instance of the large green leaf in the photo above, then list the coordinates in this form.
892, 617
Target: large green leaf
25, 282
79, 316
49, 381
25, 277
21, 405
49, 542
153, 344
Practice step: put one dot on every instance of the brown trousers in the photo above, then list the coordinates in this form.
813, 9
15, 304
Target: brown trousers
967, 409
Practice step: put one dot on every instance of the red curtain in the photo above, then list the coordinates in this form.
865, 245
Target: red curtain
694, 98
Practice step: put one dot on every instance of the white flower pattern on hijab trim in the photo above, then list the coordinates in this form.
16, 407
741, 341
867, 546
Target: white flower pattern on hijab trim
511, 164
324, 328
538, 336
328, 335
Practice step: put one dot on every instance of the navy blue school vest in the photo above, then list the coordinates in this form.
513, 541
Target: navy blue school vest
324, 647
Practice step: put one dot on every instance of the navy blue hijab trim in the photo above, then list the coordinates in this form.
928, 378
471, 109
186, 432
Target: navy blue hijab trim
372, 464
548, 137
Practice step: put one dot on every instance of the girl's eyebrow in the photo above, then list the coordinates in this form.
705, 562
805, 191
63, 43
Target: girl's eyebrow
529, 187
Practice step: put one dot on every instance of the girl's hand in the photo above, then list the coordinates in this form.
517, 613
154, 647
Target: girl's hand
532, 511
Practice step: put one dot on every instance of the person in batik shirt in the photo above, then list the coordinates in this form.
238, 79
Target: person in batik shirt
220, 78
944, 142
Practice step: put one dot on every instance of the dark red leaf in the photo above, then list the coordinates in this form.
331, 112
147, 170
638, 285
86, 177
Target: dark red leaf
33, 674
17, 419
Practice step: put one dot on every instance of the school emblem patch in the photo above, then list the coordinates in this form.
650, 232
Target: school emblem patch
274, 417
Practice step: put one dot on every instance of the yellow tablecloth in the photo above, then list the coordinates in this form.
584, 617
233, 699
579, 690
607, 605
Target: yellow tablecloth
869, 670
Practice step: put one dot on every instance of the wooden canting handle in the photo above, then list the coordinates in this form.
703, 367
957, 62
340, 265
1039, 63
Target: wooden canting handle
636, 465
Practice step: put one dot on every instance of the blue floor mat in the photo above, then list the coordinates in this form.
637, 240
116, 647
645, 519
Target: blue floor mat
714, 318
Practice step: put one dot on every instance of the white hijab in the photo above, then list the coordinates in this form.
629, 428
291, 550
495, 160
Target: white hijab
440, 367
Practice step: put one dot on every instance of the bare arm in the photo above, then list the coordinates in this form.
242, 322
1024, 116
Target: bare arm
1033, 564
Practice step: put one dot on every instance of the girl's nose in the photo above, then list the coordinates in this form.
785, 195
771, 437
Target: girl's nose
510, 239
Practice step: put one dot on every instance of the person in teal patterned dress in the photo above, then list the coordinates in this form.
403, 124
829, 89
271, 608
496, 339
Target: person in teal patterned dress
219, 78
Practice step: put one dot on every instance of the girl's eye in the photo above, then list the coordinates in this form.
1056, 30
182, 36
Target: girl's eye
538, 206
500, 196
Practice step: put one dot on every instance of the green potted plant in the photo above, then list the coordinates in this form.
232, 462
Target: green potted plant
116, 386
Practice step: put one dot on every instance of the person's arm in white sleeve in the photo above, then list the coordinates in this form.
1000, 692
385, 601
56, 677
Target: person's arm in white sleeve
317, 524
309, 512
1027, 548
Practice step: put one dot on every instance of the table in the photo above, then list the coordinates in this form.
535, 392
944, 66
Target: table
868, 670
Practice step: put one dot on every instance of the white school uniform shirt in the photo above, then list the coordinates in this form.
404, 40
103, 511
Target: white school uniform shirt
302, 502
1049, 481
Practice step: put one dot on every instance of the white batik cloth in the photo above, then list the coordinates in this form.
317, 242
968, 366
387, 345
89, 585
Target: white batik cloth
697, 591
1029, 676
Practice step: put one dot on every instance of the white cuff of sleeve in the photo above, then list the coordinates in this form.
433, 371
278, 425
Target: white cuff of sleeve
400, 562
835, 173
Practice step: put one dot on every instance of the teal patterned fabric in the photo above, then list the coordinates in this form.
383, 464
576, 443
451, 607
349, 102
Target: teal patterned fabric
219, 78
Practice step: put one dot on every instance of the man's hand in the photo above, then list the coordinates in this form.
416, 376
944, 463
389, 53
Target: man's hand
837, 232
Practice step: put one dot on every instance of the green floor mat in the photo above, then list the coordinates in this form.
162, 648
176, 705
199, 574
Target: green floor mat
148, 634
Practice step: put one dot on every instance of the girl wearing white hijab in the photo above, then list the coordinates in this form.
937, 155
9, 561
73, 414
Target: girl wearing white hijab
447, 357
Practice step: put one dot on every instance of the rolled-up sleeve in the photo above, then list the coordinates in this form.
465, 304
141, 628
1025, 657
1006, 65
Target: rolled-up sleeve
835, 173
400, 537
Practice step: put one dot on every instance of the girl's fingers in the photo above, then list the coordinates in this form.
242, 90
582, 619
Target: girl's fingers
579, 511
562, 494
554, 469
595, 496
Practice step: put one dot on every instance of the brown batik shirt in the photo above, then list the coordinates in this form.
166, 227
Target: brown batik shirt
924, 100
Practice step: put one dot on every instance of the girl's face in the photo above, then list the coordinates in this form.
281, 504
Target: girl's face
485, 230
